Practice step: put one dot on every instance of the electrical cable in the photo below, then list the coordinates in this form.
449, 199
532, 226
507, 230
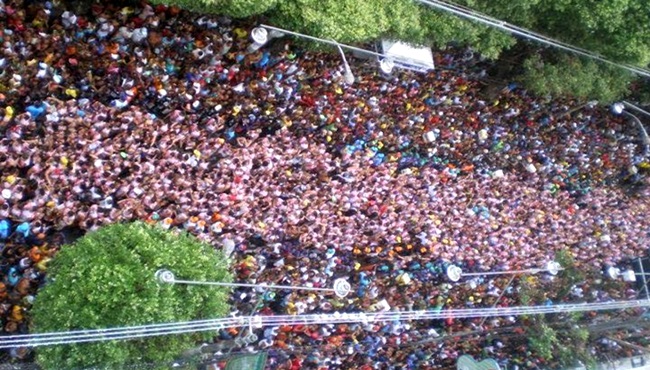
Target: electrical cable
123, 333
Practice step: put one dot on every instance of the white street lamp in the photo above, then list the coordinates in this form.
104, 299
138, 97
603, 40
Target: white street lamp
553, 268
614, 273
618, 108
454, 273
341, 286
630, 275
261, 36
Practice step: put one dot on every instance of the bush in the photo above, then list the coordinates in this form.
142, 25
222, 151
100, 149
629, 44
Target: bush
106, 279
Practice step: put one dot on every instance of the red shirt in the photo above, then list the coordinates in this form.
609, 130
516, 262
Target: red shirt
296, 364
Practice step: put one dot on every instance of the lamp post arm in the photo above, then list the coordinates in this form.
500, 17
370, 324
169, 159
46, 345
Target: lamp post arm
644, 134
348, 76
345, 61
632, 106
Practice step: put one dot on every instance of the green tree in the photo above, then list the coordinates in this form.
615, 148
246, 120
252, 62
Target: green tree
354, 21
361, 21
106, 279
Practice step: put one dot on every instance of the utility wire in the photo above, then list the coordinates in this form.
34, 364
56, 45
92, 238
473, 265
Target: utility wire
470, 14
123, 333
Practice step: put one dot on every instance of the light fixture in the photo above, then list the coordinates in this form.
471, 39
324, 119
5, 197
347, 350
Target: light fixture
387, 65
260, 37
615, 273
629, 276
553, 268
618, 108
454, 273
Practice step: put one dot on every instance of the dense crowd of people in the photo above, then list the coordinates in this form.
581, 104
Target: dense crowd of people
155, 114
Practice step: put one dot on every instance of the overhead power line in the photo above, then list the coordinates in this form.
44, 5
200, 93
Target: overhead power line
504, 26
143, 331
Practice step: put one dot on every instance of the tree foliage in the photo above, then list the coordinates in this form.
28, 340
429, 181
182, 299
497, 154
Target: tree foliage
106, 279
576, 77
232, 8
617, 29
563, 342
344, 21
353, 21
614, 29
543, 340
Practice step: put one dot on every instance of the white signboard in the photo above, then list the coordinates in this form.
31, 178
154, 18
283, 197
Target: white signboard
408, 56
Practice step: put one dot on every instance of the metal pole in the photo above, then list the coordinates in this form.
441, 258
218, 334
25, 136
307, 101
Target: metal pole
241, 332
235, 285
528, 34
325, 41
630, 105
349, 77
644, 134
345, 61
341, 286
628, 344
645, 281
510, 272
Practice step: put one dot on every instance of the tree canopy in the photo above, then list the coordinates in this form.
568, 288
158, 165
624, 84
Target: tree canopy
106, 279
615, 29
231, 8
